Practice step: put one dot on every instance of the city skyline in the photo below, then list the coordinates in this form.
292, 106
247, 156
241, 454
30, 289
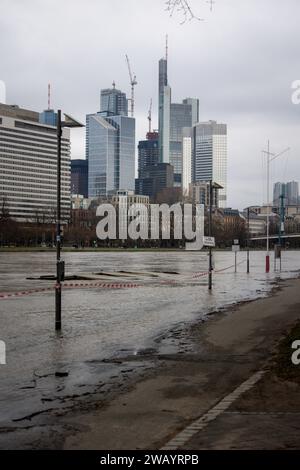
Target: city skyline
250, 92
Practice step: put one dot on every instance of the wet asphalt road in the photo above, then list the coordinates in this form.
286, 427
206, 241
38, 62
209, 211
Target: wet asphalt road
102, 325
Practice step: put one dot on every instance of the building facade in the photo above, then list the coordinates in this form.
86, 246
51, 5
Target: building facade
113, 102
289, 191
154, 179
79, 177
164, 103
180, 117
28, 161
200, 194
110, 152
148, 152
209, 155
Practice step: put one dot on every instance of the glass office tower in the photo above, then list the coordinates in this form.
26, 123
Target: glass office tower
209, 162
113, 102
110, 151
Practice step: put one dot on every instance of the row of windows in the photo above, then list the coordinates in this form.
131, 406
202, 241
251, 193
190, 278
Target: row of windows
34, 133
65, 142
28, 177
30, 148
49, 160
20, 200
33, 143
43, 169
34, 188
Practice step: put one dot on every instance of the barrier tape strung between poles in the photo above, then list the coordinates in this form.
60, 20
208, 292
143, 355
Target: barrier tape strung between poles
103, 285
9, 295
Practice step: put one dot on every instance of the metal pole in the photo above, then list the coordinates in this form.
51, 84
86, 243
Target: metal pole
248, 242
235, 262
210, 234
58, 228
268, 214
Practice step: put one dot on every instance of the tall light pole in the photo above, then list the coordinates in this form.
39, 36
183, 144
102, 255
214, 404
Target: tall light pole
212, 186
60, 265
210, 233
248, 240
270, 158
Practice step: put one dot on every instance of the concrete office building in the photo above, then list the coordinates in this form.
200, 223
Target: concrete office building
200, 194
28, 161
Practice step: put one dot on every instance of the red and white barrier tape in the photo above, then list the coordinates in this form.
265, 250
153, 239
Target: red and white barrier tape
8, 295
104, 285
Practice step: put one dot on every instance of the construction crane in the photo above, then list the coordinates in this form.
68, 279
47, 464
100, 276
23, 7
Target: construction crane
150, 117
133, 82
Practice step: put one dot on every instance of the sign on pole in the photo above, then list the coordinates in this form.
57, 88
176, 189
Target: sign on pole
209, 241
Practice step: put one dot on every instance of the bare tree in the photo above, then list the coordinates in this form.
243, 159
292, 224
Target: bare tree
184, 8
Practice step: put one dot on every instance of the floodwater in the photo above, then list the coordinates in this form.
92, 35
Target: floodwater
103, 324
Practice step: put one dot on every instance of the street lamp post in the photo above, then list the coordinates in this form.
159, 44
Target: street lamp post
248, 240
270, 158
212, 186
60, 265
210, 233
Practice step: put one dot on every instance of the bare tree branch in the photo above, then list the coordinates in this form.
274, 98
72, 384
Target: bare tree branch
183, 7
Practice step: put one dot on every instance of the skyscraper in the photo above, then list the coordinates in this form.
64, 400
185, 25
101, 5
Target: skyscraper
279, 190
148, 152
182, 115
79, 177
186, 180
289, 190
292, 192
110, 152
209, 155
164, 100
113, 102
173, 117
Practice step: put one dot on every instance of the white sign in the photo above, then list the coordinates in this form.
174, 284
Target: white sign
235, 242
235, 248
209, 241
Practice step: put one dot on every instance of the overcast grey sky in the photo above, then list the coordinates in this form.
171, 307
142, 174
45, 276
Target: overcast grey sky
240, 63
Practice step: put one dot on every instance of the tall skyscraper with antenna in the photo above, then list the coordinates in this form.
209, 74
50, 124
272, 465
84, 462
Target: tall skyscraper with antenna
164, 100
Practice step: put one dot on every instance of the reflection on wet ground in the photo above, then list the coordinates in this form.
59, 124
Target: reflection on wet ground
107, 331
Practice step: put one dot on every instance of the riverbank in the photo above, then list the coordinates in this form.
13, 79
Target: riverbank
231, 348
175, 385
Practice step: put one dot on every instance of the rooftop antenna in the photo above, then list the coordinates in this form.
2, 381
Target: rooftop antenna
114, 85
150, 116
133, 82
167, 47
49, 96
